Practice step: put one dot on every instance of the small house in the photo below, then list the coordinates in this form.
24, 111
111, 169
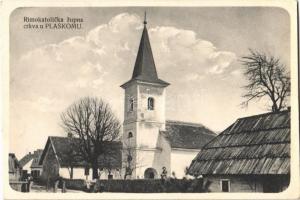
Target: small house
251, 155
30, 164
14, 168
60, 159
35, 167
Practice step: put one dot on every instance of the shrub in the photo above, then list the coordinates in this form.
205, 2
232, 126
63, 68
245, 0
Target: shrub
150, 186
74, 184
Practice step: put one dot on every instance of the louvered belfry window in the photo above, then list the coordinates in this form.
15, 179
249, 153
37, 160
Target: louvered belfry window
131, 103
150, 103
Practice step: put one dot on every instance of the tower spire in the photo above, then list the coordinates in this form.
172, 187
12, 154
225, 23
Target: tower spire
144, 67
145, 18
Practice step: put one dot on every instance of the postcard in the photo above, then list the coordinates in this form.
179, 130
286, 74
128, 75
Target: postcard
150, 100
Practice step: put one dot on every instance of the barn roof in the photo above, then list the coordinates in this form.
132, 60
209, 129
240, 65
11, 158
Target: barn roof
257, 144
187, 135
67, 152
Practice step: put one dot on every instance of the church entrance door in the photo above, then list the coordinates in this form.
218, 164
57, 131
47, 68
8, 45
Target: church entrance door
150, 173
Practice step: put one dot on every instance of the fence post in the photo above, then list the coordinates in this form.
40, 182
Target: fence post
55, 186
30, 183
63, 190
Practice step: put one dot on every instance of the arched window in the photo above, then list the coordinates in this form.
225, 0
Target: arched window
131, 104
150, 103
130, 135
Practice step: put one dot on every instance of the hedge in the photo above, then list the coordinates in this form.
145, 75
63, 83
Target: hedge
150, 186
75, 184
170, 185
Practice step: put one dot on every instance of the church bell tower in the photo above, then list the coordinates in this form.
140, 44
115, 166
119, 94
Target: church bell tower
144, 116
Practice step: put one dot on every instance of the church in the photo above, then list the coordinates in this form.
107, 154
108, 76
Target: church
150, 146
153, 145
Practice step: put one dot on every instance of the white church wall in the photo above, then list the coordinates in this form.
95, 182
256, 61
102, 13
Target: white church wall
180, 159
154, 158
131, 127
165, 156
149, 159
156, 115
147, 135
130, 93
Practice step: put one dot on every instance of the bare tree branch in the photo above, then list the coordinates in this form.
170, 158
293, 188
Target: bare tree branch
92, 121
267, 77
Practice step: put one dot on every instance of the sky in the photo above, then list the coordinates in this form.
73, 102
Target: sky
197, 50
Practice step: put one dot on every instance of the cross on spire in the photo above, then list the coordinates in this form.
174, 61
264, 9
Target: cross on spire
145, 18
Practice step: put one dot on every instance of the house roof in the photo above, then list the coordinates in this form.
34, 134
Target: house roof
13, 163
187, 135
36, 158
144, 68
257, 144
67, 152
26, 159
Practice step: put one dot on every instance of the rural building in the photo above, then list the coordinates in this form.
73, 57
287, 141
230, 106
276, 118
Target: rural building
14, 167
150, 142
30, 165
61, 158
15, 172
35, 167
251, 155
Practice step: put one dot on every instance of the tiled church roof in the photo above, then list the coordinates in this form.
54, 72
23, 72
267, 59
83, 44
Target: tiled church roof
252, 145
187, 135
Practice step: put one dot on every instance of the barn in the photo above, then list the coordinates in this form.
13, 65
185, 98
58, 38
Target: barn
251, 155
60, 158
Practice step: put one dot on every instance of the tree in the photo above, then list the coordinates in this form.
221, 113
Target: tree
129, 167
267, 77
92, 121
70, 158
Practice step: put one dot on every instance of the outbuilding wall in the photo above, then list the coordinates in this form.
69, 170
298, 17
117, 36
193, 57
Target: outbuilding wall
245, 183
50, 165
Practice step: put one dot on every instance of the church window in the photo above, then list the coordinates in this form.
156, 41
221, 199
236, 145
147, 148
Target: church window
131, 104
130, 135
150, 103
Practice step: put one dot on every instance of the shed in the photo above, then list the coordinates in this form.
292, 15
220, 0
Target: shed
249, 155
